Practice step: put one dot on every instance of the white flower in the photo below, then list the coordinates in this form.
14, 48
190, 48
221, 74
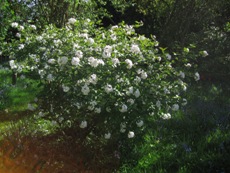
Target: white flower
129, 63
21, 28
137, 79
107, 51
123, 125
93, 62
108, 88
124, 108
108, 109
57, 42
14, 24
51, 61
39, 38
91, 107
113, 37
101, 62
135, 49
90, 40
31, 107
71, 20
18, 35
140, 123
85, 89
204, 53
130, 91
182, 75
144, 75
137, 93
41, 114
107, 135
83, 124
169, 57
122, 130
33, 27
65, 88
188, 65
184, 102
93, 79
12, 64
79, 54
130, 101
50, 77
197, 76
175, 107
21, 46
158, 104
166, 116
75, 61
62, 60
97, 110
131, 134
115, 62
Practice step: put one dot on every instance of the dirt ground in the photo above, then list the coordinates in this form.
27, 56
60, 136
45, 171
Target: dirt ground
48, 155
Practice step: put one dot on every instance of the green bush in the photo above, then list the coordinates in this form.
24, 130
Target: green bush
110, 81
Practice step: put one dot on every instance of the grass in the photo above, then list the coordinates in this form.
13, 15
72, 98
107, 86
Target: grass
196, 139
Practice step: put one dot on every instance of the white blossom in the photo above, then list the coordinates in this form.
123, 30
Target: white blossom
137, 93
175, 107
85, 89
130, 91
50, 77
169, 57
188, 65
204, 53
93, 79
83, 124
14, 24
108, 88
21, 46
158, 104
90, 40
12, 64
107, 51
33, 27
31, 107
107, 135
197, 76
140, 123
130, 101
93, 62
65, 88
115, 62
182, 74
79, 54
131, 134
135, 49
18, 35
129, 63
124, 108
144, 75
51, 61
75, 61
184, 102
62, 60
166, 116
71, 20
97, 110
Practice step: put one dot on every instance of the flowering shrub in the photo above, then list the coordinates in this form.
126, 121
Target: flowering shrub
110, 81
